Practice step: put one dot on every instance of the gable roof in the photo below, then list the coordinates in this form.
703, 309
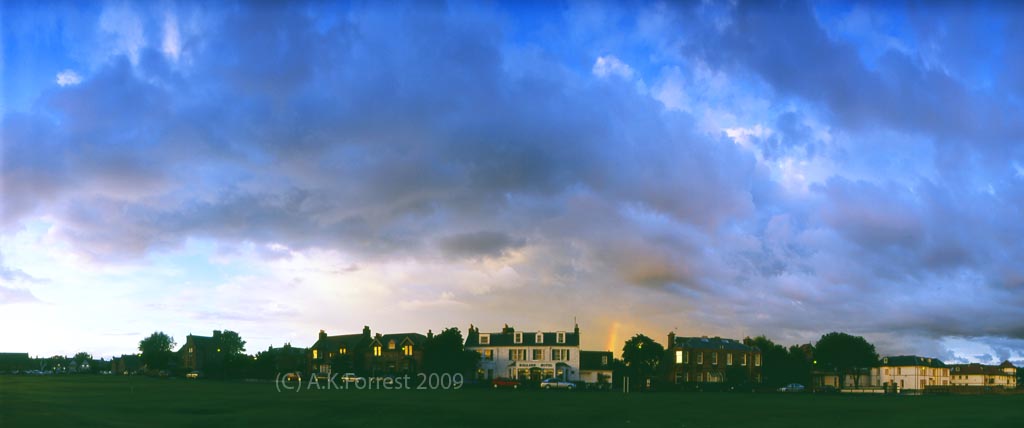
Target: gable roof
591, 360
507, 338
348, 341
399, 338
912, 360
712, 343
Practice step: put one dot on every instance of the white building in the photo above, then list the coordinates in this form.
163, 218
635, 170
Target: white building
1001, 376
526, 355
912, 373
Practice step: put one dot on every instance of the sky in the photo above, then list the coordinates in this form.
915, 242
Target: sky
709, 168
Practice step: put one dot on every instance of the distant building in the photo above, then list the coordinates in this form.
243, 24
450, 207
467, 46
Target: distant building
696, 360
1001, 376
378, 355
15, 361
912, 373
200, 353
526, 355
596, 367
126, 364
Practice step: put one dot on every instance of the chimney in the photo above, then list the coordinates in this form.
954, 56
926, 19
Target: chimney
430, 334
366, 330
216, 333
507, 330
323, 335
671, 339
576, 328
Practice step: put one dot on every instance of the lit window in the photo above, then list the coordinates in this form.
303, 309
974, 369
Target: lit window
679, 357
700, 358
488, 354
191, 349
728, 359
604, 360
714, 358
391, 345
485, 339
686, 357
517, 354
744, 363
315, 355
539, 338
560, 337
342, 350
517, 337
376, 350
407, 350
757, 360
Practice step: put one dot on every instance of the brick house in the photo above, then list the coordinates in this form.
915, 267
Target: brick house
200, 353
366, 354
704, 360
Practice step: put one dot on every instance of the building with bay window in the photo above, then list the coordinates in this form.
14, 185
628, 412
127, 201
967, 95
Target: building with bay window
702, 360
526, 355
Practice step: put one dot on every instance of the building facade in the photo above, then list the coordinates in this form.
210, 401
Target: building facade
698, 360
911, 373
596, 367
1001, 376
367, 354
526, 355
200, 353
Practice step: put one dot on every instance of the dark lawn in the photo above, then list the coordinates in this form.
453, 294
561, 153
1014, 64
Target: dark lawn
118, 401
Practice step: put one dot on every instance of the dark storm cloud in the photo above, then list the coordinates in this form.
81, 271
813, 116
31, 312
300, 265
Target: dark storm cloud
480, 244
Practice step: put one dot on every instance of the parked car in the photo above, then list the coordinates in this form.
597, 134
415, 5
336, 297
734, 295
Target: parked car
502, 382
793, 387
317, 377
349, 377
293, 376
556, 383
193, 375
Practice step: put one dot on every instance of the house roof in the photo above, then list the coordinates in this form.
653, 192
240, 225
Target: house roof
975, 368
912, 360
591, 360
1007, 365
712, 343
416, 338
507, 338
349, 341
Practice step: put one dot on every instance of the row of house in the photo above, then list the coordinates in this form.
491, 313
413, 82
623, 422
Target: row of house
913, 373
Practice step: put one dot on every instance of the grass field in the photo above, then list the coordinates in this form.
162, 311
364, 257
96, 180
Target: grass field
117, 401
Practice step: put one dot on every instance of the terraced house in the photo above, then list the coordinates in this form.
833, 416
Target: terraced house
526, 355
697, 360
1001, 376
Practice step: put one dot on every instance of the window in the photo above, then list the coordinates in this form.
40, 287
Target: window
191, 349
517, 337
714, 358
757, 360
391, 345
342, 351
538, 354
376, 350
604, 360
700, 358
728, 359
679, 357
517, 354
488, 354
485, 339
407, 350
560, 354
744, 362
315, 354
539, 338
686, 357
887, 371
560, 337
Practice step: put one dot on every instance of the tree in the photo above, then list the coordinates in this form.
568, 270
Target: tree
774, 361
444, 353
642, 357
230, 343
844, 353
232, 362
156, 350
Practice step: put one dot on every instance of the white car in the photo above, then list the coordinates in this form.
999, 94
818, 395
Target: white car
193, 375
556, 383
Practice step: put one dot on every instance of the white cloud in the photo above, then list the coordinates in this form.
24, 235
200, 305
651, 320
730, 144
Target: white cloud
670, 91
68, 78
125, 28
172, 38
609, 65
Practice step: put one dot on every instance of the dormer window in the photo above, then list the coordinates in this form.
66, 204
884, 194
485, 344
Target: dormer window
342, 350
485, 339
407, 350
391, 345
517, 337
376, 350
315, 355
540, 338
560, 337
